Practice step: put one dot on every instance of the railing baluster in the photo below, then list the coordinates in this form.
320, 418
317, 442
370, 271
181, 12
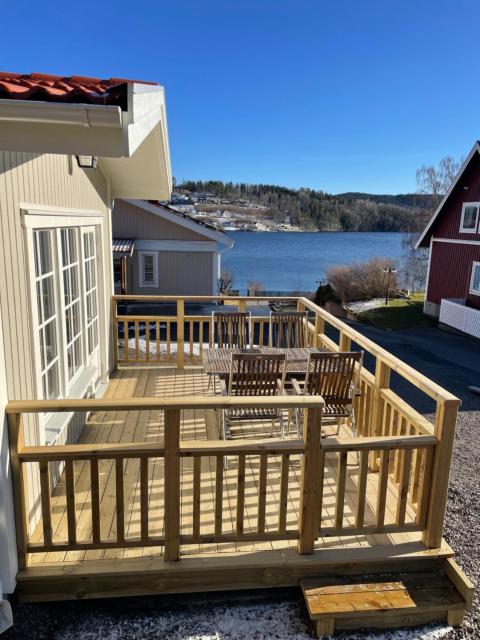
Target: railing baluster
262, 492
240, 493
197, 493
404, 473
45, 501
147, 341
382, 486
144, 498
180, 334
424, 488
70, 495
120, 499
95, 499
341, 483
125, 341
283, 498
362, 489
219, 495
136, 329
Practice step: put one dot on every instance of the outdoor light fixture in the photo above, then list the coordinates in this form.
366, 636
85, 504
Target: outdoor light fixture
388, 270
87, 162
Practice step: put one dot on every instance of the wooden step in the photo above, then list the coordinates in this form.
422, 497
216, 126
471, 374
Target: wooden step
388, 601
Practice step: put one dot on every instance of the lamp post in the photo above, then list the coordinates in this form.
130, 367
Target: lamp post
388, 270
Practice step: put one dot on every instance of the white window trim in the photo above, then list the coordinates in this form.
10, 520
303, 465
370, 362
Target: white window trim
469, 204
43, 216
141, 271
475, 292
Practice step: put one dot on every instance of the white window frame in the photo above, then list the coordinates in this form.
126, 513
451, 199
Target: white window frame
92, 324
47, 217
475, 292
464, 206
141, 269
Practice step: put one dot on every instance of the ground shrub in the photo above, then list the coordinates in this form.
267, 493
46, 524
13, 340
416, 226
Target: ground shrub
362, 280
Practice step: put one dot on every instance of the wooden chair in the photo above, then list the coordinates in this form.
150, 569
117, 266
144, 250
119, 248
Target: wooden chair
288, 329
229, 331
334, 376
253, 374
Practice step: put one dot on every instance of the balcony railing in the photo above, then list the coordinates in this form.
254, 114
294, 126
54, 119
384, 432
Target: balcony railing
408, 455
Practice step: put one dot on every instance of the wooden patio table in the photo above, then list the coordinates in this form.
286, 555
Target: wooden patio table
217, 361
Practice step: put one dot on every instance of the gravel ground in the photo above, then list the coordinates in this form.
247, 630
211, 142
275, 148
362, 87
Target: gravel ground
280, 614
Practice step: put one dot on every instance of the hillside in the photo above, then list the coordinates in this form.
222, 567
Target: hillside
310, 209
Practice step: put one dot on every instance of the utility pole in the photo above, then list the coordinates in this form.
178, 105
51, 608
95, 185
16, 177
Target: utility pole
388, 270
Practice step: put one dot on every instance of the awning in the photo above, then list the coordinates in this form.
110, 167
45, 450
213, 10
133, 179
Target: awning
122, 247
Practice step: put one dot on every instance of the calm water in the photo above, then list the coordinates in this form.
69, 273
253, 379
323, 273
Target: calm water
288, 261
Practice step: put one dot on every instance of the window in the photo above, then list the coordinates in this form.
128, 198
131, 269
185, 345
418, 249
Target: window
91, 301
475, 279
148, 268
469, 217
47, 312
72, 304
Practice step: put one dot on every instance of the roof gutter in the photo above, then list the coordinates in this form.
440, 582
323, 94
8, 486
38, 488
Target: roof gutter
83, 115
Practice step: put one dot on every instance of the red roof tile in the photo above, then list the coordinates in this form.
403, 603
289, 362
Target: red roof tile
75, 89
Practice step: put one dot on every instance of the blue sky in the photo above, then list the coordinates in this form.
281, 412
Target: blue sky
339, 95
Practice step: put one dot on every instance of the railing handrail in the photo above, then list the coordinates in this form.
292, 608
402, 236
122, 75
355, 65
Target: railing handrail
177, 402
394, 363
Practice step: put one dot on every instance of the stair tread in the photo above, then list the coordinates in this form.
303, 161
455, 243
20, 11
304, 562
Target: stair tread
388, 594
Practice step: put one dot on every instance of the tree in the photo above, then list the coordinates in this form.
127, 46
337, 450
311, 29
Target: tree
254, 287
225, 282
435, 181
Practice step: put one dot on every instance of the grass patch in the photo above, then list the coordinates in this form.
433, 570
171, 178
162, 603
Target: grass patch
400, 313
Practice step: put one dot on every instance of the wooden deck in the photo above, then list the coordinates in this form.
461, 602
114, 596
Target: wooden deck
148, 426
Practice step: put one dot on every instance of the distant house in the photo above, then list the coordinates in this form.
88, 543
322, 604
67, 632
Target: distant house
157, 250
68, 148
453, 236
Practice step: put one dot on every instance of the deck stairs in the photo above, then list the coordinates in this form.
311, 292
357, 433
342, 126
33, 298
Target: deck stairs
441, 593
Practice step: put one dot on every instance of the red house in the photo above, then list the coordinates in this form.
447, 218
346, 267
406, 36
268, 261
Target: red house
453, 235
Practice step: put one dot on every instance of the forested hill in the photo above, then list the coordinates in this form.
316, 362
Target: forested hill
319, 210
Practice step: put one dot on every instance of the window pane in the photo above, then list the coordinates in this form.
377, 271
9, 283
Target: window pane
476, 278
76, 318
48, 297
74, 281
50, 383
42, 348
43, 251
64, 244
78, 353
50, 337
70, 363
470, 218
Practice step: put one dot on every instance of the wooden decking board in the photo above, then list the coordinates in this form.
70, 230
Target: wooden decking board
134, 426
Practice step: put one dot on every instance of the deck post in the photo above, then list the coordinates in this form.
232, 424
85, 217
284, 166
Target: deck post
15, 435
311, 484
319, 329
181, 333
172, 484
382, 381
445, 420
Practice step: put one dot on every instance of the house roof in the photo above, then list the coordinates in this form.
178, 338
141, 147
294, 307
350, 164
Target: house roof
123, 122
184, 220
73, 89
424, 238
123, 246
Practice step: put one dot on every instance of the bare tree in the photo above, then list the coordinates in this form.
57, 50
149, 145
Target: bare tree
225, 282
254, 287
435, 181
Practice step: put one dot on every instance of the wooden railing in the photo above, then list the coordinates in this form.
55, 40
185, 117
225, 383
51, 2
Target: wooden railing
379, 411
395, 500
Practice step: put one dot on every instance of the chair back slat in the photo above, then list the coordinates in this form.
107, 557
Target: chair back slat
288, 329
256, 374
231, 330
334, 377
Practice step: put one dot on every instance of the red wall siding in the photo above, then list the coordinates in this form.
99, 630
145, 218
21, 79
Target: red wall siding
451, 270
448, 222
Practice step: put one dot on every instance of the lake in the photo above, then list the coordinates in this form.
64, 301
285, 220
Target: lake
293, 261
